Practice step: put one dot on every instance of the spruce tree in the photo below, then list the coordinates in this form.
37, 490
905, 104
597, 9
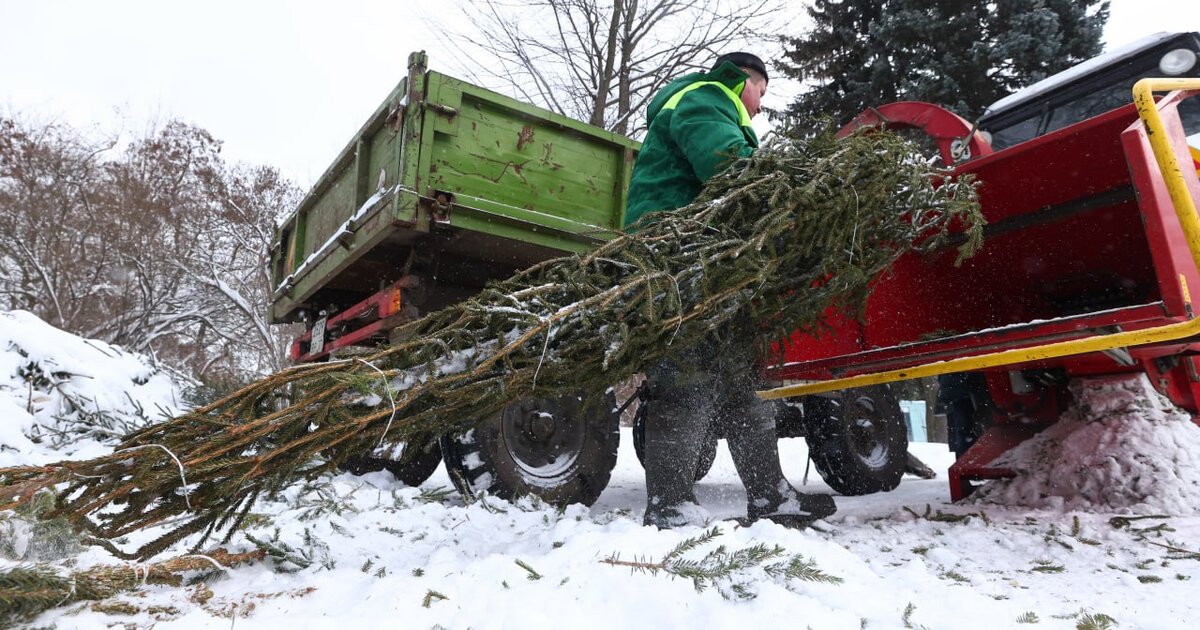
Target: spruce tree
960, 54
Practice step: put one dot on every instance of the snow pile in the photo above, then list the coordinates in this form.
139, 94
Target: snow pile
61, 394
1122, 447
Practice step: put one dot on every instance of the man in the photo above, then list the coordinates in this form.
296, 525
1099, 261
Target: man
698, 125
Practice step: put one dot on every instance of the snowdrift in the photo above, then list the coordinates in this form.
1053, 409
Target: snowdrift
63, 396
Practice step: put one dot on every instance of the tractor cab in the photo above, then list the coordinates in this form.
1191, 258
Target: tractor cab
1094, 87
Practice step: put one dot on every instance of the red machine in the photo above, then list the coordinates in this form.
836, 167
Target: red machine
1091, 252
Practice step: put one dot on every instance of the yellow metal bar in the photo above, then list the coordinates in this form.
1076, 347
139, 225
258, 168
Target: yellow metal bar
1185, 208
1143, 97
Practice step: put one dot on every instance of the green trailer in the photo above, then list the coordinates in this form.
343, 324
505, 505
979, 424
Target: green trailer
446, 187
452, 185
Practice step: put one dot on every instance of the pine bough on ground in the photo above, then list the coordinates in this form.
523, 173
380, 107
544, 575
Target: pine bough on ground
767, 248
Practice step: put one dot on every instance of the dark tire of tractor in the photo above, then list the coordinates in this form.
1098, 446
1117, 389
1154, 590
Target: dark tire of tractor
561, 450
857, 440
412, 472
708, 452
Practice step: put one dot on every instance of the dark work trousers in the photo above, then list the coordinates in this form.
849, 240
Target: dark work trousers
705, 388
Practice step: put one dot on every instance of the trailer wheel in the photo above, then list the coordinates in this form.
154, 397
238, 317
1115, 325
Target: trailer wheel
413, 472
858, 440
708, 452
561, 450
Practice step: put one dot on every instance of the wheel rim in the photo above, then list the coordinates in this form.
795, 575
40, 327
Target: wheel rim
865, 432
543, 437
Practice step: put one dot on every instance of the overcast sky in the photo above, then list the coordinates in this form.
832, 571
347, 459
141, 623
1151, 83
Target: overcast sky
280, 82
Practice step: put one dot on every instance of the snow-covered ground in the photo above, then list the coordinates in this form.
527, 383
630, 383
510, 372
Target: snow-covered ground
385, 556
379, 554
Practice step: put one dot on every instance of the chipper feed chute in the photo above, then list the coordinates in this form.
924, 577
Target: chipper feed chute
1088, 264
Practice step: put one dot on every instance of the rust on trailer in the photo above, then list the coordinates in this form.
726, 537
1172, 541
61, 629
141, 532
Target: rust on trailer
524, 137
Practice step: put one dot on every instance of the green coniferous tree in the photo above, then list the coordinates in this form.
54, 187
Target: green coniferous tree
960, 54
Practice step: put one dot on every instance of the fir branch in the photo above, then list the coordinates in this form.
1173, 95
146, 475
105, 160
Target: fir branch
800, 568
533, 574
1181, 553
281, 552
318, 500
955, 576
1144, 532
430, 597
44, 538
942, 517
692, 543
726, 570
1095, 621
435, 495
1125, 522
780, 239
27, 591
906, 618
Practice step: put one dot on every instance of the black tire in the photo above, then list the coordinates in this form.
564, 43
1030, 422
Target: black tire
413, 472
560, 450
857, 440
708, 452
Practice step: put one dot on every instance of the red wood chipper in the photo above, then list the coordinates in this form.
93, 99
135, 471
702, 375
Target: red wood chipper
1090, 258
1086, 268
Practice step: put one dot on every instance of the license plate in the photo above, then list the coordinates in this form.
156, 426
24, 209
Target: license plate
318, 337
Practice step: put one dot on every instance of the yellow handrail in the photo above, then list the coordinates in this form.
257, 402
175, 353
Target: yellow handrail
1185, 208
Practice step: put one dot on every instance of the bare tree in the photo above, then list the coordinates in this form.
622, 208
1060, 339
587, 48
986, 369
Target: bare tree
601, 61
48, 264
160, 247
230, 265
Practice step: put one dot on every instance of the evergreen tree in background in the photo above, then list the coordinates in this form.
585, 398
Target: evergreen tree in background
960, 54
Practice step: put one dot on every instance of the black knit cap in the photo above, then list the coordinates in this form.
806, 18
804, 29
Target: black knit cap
743, 60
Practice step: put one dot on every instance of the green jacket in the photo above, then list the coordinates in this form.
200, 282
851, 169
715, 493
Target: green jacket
698, 125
